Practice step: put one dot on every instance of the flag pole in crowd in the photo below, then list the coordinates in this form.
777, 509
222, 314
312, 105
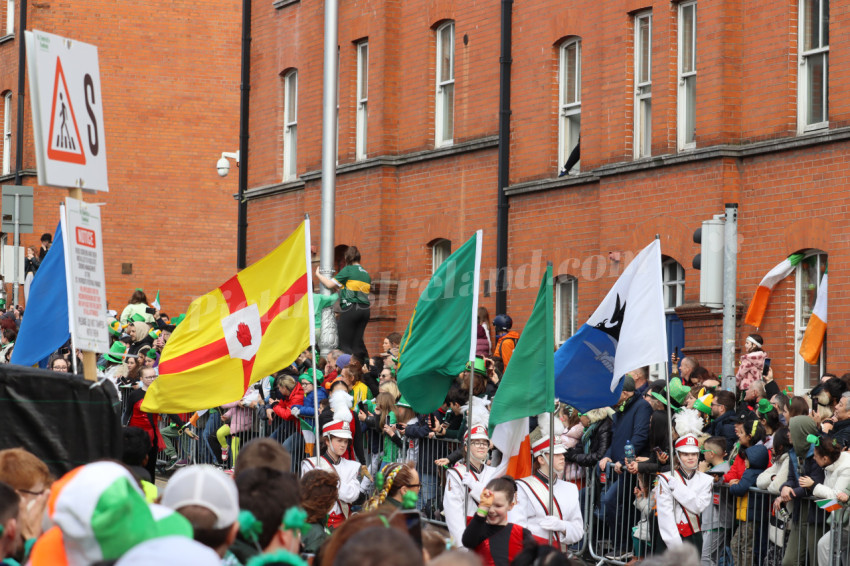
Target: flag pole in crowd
667, 389
63, 227
473, 338
308, 253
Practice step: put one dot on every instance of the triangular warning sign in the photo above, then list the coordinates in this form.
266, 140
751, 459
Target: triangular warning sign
64, 143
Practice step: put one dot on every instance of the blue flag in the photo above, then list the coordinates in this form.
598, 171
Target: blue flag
626, 332
44, 328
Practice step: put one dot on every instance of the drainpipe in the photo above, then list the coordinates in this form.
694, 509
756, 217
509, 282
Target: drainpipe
244, 101
504, 158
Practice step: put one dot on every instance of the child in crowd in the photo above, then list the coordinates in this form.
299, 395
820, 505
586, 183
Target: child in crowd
750, 539
645, 503
495, 540
718, 518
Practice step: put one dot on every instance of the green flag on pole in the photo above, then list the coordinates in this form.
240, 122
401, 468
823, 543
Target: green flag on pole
439, 339
528, 386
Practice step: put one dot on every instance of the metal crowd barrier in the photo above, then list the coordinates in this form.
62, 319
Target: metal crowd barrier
745, 531
619, 526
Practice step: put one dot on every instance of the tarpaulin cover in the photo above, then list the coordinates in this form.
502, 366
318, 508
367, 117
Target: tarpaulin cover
59, 417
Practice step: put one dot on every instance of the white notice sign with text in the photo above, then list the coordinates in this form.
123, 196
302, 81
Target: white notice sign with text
86, 281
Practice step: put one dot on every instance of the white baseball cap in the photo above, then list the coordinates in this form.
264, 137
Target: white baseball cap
205, 486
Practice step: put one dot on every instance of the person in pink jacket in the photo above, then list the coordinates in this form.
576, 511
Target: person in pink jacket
570, 438
752, 362
238, 418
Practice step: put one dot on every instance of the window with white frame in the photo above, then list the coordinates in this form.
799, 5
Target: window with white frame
445, 99
362, 99
687, 99
10, 17
566, 308
673, 275
7, 133
809, 274
643, 85
813, 80
440, 251
290, 125
569, 111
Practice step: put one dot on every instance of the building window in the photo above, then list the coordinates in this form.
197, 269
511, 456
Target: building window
440, 251
809, 273
445, 109
290, 125
687, 103
813, 81
566, 308
362, 99
7, 133
643, 85
673, 275
10, 17
569, 111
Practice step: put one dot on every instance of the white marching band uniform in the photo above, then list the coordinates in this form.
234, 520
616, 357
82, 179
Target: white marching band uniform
532, 509
681, 500
346, 470
467, 484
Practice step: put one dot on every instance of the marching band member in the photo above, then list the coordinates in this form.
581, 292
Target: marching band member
532, 510
337, 435
682, 495
466, 484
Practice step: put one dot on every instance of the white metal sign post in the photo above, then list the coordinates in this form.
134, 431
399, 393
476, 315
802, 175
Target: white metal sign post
67, 112
85, 276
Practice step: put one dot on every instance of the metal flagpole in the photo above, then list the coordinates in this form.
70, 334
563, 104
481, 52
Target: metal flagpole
669, 418
312, 315
473, 338
551, 465
66, 250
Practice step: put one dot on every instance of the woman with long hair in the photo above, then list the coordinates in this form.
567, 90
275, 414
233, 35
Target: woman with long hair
484, 344
138, 304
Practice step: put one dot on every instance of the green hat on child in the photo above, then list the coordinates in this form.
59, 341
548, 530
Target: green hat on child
308, 376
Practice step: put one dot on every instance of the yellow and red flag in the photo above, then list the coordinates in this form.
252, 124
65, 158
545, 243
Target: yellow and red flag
253, 325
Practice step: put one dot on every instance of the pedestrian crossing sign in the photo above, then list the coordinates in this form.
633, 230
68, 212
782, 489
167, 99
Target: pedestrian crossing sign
67, 112
64, 143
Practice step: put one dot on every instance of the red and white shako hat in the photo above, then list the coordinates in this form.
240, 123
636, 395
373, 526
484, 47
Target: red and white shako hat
541, 447
687, 443
477, 432
338, 428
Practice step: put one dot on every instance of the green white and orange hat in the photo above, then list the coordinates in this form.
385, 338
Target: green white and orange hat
98, 513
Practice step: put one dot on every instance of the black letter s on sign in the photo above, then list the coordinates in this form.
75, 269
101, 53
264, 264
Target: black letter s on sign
89, 90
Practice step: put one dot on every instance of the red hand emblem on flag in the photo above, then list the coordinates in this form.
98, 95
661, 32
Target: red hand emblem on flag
243, 334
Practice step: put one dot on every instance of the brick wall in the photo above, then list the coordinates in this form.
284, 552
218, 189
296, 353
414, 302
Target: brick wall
170, 86
791, 198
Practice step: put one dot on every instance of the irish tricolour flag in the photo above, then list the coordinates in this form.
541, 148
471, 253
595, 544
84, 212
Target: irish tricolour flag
309, 436
755, 313
816, 328
528, 386
829, 504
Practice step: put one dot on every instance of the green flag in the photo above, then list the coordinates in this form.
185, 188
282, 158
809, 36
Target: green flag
438, 341
528, 386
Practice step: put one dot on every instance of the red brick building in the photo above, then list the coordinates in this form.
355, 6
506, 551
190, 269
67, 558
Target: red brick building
170, 88
681, 107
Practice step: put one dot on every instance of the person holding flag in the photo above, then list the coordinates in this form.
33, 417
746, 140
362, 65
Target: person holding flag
564, 523
682, 495
465, 483
337, 436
